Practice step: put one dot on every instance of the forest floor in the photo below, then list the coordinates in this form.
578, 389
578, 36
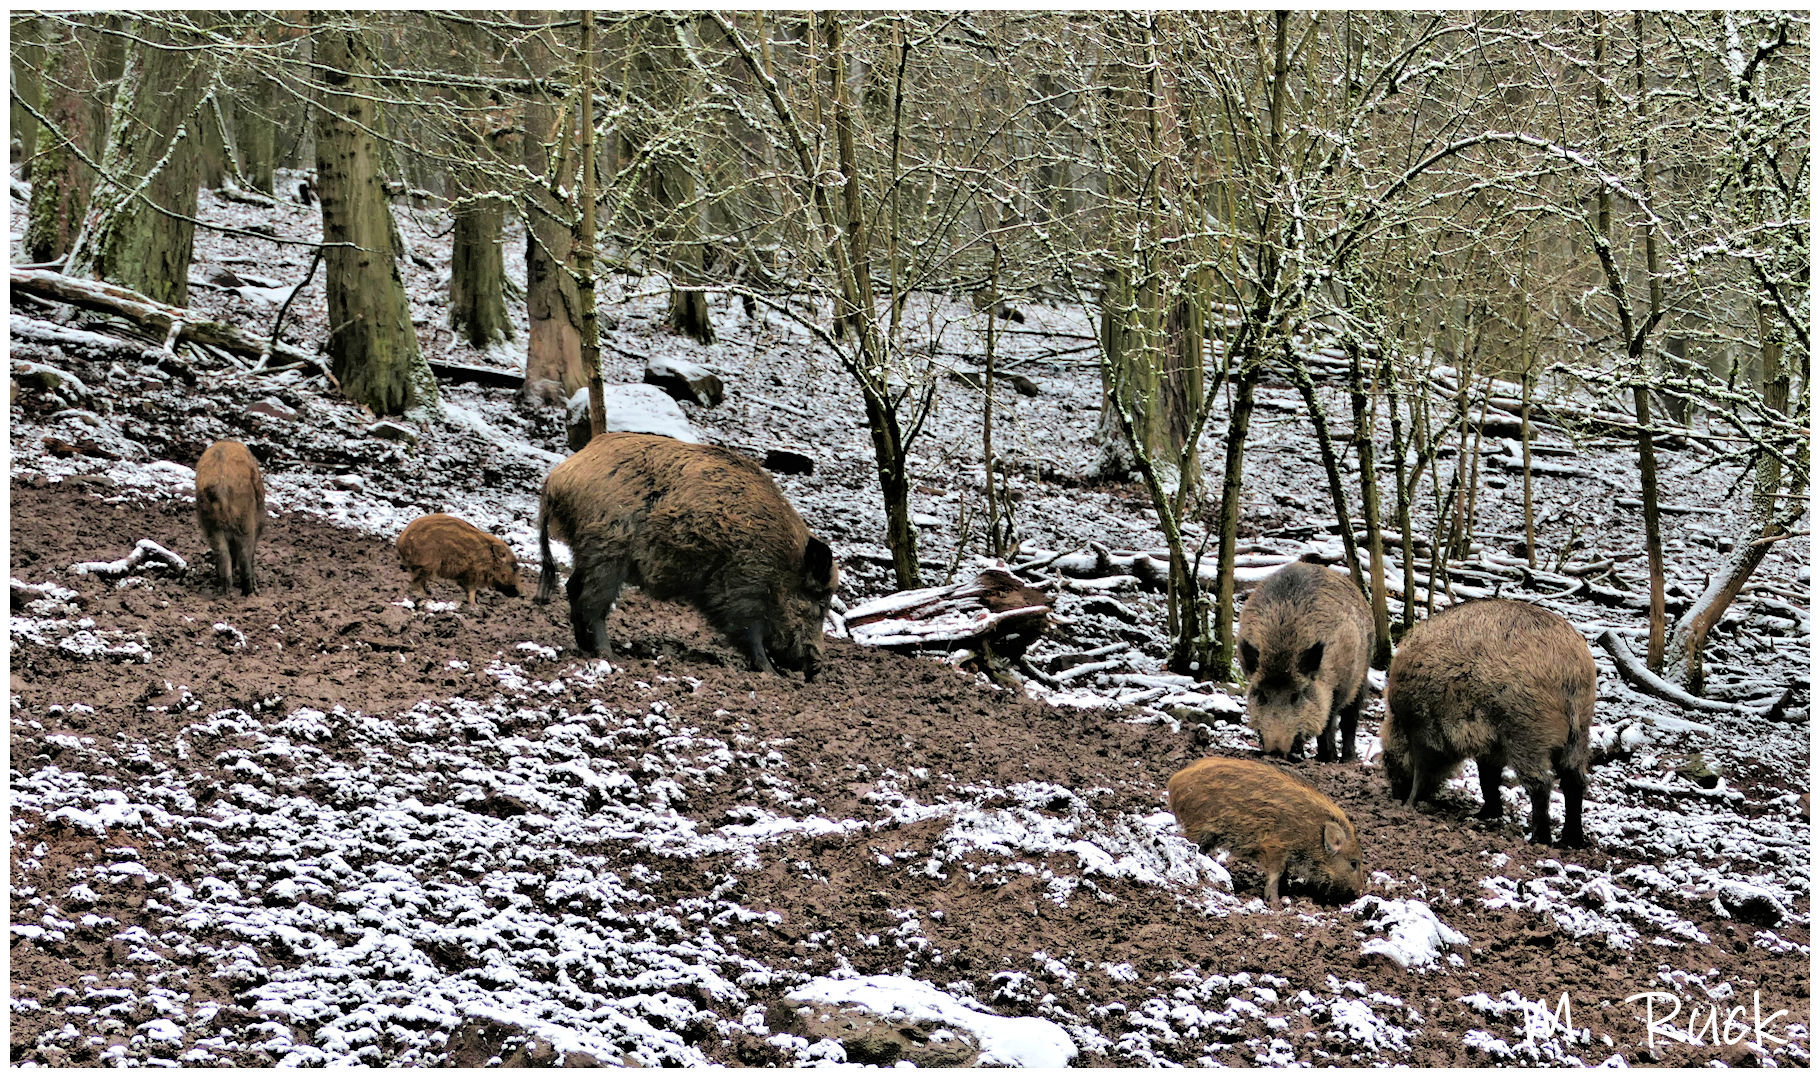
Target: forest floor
335, 822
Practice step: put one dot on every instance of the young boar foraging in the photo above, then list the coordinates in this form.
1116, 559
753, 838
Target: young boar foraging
1269, 816
1504, 682
692, 522
1305, 640
230, 503
440, 545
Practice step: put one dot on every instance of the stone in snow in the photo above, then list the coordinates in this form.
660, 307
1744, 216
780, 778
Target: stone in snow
789, 461
396, 432
272, 406
632, 408
686, 381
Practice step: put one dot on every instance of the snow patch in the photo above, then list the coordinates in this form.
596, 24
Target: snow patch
1004, 1042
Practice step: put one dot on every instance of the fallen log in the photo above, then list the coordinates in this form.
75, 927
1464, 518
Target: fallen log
164, 321
1641, 678
996, 615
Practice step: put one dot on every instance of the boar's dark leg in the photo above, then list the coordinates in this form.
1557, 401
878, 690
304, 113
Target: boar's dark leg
242, 547
755, 647
1573, 786
546, 574
1323, 745
224, 562
1273, 877
1539, 825
1491, 785
593, 587
1349, 728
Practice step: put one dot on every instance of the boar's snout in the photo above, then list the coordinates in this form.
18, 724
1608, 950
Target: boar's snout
1279, 741
1343, 859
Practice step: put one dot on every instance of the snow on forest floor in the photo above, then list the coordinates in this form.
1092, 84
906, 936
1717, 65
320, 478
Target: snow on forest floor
335, 823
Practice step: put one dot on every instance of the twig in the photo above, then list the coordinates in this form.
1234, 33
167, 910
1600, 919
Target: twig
265, 355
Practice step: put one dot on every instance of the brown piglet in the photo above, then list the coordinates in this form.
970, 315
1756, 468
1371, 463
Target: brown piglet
1504, 682
691, 522
1305, 639
440, 545
230, 504
1269, 816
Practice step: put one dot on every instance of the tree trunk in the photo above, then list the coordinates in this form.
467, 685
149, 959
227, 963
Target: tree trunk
1330, 463
1364, 436
213, 159
1231, 492
373, 349
1652, 533
477, 265
138, 230
667, 211
894, 484
1154, 363
552, 296
586, 236
1773, 513
1405, 491
28, 89
61, 180
256, 132
477, 274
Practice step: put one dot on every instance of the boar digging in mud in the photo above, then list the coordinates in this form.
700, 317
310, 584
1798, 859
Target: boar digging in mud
1270, 816
230, 503
1506, 683
1305, 640
440, 545
693, 522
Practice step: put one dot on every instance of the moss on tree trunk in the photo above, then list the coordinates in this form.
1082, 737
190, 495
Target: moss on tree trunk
138, 231
373, 349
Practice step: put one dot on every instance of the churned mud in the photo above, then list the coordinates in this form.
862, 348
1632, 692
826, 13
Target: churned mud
318, 808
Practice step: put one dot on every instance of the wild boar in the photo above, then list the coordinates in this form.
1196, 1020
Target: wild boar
692, 522
440, 545
1305, 640
1504, 682
230, 503
1270, 816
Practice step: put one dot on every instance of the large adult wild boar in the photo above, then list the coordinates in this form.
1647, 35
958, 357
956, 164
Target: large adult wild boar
1305, 639
693, 522
1269, 816
1504, 682
440, 545
230, 504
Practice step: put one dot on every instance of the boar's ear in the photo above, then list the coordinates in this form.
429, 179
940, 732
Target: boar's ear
1310, 659
1248, 657
1333, 836
819, 574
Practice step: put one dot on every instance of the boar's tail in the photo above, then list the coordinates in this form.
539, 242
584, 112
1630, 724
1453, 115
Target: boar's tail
546, 576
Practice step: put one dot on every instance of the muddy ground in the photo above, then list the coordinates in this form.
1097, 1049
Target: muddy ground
329, 632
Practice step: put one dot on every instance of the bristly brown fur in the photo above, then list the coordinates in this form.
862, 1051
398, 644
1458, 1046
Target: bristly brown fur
1504, 682
692, 522
1305, 640
1270, 816
448, 547
230, 505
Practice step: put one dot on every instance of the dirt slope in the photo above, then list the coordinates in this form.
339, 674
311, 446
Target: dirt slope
329, 633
